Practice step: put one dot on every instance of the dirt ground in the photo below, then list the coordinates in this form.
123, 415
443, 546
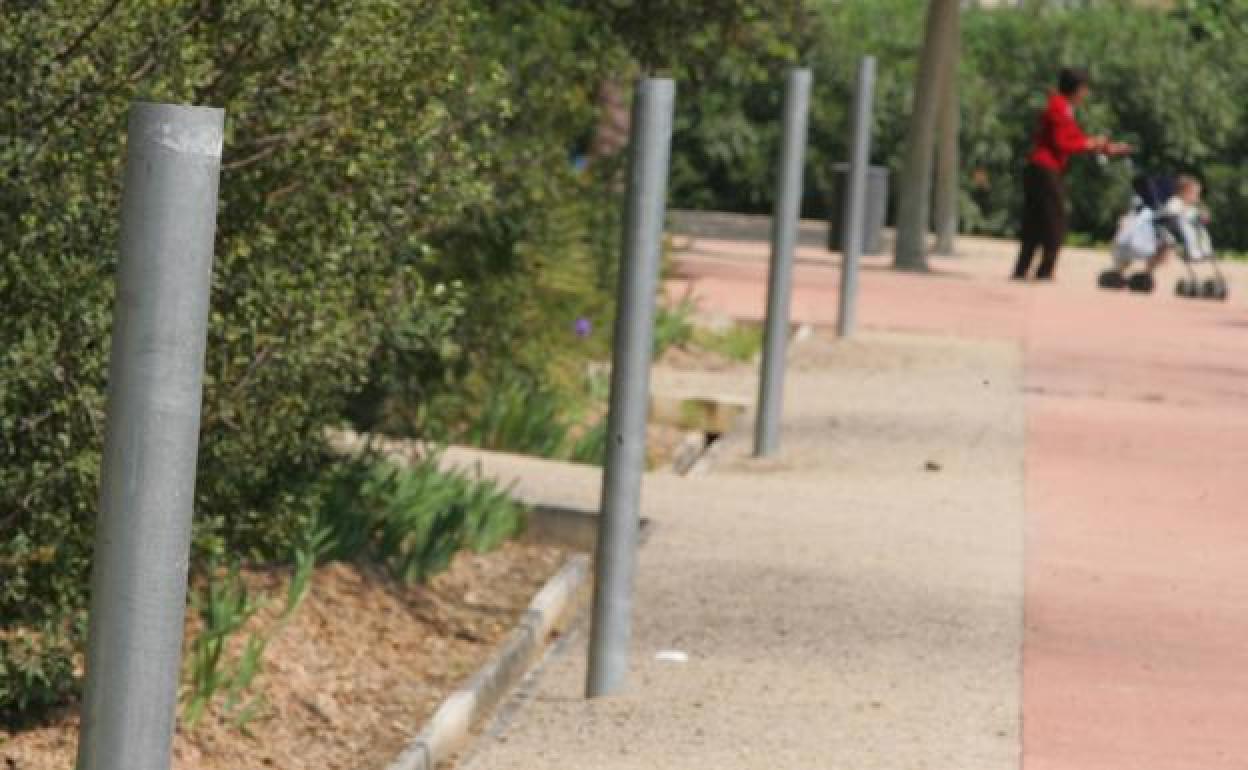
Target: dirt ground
354, 674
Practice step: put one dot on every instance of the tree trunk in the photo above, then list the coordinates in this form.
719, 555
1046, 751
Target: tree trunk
948, 190
913, 214
614, 119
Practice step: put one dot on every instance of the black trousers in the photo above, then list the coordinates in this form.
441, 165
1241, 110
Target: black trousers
1044, 220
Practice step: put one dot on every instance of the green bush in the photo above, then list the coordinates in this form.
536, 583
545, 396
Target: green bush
1151, 82
1155, 82
400, 229
539, 252
413, 520
357, 134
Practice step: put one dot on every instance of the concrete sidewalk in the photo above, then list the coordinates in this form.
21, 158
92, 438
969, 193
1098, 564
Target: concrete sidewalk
843, 607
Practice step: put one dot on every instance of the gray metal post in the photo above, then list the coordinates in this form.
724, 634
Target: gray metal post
784, 223
855, 196
616, 557
138, 586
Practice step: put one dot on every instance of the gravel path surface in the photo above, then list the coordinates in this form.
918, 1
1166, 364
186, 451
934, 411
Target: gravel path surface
1137, 545
845, 608
855, 602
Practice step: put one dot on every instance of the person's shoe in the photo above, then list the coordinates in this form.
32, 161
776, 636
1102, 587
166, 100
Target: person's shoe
1111, 279
1045, 278
1141, 282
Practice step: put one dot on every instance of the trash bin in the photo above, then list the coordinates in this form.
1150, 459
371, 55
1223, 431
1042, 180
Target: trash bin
875, 211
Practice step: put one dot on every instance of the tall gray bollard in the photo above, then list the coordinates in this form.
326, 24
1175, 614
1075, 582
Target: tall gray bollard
855, 196
784, 223
138, 586
616, 557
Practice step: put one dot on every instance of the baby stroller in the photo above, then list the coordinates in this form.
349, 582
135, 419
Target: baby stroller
1148, 229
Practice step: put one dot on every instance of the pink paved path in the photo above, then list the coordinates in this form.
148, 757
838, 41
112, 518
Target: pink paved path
1136, 646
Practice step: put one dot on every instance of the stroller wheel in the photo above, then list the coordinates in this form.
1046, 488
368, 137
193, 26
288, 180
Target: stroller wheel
1141, 282
1111, 279
1184, 288
1219, 291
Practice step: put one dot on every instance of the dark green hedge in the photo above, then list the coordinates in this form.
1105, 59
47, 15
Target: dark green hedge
400, 228
1155, 82
379, 158
343, 163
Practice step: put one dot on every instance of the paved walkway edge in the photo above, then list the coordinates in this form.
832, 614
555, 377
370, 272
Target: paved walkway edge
449, 727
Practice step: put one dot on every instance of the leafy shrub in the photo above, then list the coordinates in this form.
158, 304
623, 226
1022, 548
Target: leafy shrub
1159, 78
1172, 105
399, 229
344, 162
36, 670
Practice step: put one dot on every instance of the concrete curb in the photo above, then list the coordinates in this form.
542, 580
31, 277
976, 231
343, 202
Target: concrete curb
449, 727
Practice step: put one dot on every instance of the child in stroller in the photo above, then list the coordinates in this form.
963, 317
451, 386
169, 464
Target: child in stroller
1166, 216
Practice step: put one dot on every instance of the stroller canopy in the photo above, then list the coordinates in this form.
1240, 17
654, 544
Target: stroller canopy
1155, 190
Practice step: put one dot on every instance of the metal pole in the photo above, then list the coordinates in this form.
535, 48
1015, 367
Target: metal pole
784, 223
616, 556
138, 586
855, 196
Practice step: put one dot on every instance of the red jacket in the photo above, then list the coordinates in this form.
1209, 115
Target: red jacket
1057, 135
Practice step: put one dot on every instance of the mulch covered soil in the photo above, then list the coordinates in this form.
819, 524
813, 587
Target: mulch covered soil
354, 674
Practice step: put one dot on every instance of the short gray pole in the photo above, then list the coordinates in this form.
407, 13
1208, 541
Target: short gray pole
616, 556
855, 196
138, 586
784, 222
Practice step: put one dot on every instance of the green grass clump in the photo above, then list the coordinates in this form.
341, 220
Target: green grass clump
740, 342
524, 416
673, 327
411, 521
225, 606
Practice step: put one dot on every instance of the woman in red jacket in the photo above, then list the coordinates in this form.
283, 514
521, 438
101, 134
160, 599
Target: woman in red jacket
1057, 137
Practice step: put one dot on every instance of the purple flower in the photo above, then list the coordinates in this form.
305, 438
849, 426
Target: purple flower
583, 327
